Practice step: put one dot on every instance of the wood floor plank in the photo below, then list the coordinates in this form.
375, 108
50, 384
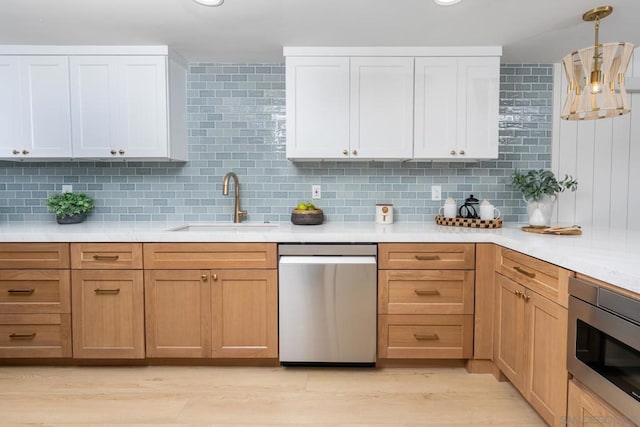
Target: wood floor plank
255, 396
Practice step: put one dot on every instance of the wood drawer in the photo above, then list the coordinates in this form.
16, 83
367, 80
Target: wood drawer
34, 255
35, 291
106, 255
425, 336
546, 279
402, 256
35, 335
209, 255
425, 291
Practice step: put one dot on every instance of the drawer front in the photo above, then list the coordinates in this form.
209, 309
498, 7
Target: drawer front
35, 335
426, 256
425, 336
35, 291
209, 255
546, 279
425, 291
106, 255
34, 255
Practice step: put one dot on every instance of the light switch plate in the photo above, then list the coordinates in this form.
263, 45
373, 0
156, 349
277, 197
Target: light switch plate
436, 192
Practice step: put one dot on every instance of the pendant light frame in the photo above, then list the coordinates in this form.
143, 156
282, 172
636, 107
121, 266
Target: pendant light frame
596, 76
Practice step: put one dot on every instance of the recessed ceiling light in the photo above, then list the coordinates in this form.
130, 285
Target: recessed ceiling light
213, 2
446, 2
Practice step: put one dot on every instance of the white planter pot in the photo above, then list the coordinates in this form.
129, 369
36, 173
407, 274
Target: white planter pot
540, 211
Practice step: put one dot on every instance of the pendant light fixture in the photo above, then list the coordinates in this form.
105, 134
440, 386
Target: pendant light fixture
595, 76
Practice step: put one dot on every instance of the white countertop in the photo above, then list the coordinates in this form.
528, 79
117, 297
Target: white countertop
609, 255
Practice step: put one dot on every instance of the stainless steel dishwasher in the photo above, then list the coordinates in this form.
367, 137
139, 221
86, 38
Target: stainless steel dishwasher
327, 304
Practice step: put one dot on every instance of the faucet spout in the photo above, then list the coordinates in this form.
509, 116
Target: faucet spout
238, 213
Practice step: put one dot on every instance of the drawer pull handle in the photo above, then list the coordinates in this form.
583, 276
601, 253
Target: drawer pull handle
428, 292
21, 291
106, 257
99, 291
15, 336
427, 257
525, 272
426, 337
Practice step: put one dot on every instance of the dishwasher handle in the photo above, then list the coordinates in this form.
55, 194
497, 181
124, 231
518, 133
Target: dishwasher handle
327, 260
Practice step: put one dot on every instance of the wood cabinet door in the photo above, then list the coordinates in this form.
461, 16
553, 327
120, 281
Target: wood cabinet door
317, 107
546, 354
108, 314
10, 132
45, 107
585, 409
381, 113
245, 313
509, 338
478, 96
435, 127
178, 313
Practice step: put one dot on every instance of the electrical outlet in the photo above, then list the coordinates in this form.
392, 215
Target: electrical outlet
316, 192
436, 192
67, 188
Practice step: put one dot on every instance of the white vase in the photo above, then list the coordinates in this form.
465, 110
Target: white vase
540, 211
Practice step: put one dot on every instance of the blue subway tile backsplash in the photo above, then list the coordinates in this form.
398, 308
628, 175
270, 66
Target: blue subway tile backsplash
236, 122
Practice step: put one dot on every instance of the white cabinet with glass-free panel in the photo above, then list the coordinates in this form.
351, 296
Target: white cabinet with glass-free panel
35, 107
456, 108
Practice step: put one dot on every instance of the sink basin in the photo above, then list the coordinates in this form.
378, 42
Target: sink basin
226, 227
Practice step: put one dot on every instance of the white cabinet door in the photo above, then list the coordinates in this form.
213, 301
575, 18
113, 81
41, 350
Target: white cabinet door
10, 133
119, 106
478, 97
143, 106
436, 108
317, 107
381, 108
45, 113
94, 110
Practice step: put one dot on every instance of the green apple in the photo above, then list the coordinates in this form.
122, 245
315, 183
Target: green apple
302, 207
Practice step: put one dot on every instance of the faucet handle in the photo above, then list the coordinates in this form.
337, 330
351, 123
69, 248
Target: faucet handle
242, 214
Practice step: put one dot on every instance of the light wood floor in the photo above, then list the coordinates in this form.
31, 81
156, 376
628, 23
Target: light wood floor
234, 396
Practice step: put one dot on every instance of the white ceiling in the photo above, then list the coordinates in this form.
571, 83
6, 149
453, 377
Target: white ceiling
531, 31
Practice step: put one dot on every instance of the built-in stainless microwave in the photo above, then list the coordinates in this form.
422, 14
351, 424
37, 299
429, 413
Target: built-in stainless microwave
604, 345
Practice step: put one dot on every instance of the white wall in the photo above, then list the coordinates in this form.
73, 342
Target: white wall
604, 155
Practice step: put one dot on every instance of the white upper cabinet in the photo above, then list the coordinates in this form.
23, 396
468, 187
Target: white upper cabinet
381, 108
392, 103
456, 113
35, 109
119, 106
317, 107
92, 102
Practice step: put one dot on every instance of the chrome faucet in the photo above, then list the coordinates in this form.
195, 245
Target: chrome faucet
238, 213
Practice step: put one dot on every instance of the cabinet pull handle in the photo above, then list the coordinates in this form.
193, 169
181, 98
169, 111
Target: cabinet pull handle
21, 291
354, 152
99, 291
525, 272
462, 152
204, 277
429, 292
453, 152
427, 257
121, 152
16, 152
214, 276
526, 297
426, 337
106, 257
15, 336
518, 293
345, 152
113, 152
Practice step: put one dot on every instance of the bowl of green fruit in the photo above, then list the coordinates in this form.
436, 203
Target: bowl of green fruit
307, 214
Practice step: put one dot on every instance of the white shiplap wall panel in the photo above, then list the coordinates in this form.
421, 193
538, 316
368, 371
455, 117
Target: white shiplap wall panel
602, 155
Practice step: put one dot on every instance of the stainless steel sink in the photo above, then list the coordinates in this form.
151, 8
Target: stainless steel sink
226, 227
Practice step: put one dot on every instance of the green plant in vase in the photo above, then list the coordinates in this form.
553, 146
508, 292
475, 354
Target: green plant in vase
70, 208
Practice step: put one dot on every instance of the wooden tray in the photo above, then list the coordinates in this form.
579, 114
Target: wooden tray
469, 222
558, 231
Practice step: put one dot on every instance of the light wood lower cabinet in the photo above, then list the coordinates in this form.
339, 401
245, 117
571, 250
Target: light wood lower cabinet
586, 409
212, 313
35, 335
531, 347
108, 314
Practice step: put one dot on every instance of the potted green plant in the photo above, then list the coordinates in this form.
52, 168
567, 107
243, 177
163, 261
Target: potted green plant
540, 189
70, 208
